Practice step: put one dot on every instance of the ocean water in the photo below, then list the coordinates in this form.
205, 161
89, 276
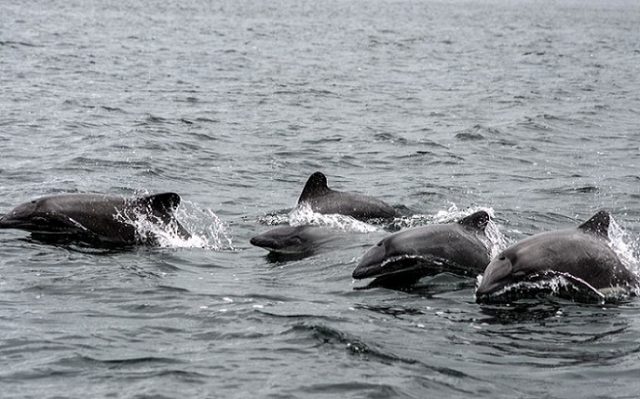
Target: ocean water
528, 108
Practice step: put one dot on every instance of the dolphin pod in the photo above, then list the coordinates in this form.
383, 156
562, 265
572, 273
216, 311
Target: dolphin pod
94, 219
579, 258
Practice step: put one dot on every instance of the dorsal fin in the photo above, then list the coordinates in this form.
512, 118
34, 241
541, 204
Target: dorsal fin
598, 224
315, 186
476, 220
164, 202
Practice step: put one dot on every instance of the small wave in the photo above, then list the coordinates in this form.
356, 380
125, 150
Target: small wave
329, 335
136, 360
113, 109
393, 310
468, 136
155, 119
369, 351
571, 190
15, 43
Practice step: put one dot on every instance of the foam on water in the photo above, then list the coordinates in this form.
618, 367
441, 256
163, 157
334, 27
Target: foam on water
274, 219
303, 215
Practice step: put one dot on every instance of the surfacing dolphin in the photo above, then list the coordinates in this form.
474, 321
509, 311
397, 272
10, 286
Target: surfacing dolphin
295, 242
95, 219
580, 258
324, 200
401, 259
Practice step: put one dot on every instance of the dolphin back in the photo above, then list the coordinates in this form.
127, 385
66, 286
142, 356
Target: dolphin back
324, 200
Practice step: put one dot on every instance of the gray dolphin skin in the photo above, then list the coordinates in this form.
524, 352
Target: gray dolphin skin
294, 240
582, 255
406, 256
324, 200
94, 219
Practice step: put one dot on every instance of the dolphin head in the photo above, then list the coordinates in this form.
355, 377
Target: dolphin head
371, 261
40, 216
498, 274
284, 240
390, 255
26, 216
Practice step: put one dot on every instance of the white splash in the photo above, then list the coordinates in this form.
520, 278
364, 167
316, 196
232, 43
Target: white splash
206, 229
274, 219
303, 214
618, 241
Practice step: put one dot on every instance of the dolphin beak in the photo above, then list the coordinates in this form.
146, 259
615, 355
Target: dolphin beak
7, 223
371, 263
495, 277
262, 242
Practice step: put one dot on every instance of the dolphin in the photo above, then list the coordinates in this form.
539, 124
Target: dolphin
95, 219
295, 240
401, 259
580, 256
324, 200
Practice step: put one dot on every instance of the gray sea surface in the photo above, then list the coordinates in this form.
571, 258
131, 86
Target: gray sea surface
527, 108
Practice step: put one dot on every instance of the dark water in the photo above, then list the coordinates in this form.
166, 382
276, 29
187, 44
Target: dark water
529, 108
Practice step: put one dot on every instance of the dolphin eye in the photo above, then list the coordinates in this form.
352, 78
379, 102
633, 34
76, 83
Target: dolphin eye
502, 257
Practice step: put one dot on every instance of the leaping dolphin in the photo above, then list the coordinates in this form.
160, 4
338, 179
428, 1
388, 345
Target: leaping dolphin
95, 219
404, 257
324, 200
581, 256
